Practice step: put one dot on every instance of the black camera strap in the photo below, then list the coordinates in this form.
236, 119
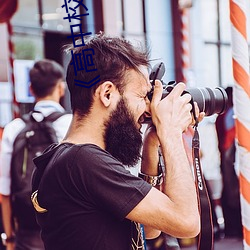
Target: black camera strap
205, 238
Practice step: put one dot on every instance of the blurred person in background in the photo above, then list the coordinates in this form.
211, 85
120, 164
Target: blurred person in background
225, 126
48, 86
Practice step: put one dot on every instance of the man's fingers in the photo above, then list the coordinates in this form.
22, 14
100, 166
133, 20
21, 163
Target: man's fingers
196, 109
178, 90
199, 115
186, 98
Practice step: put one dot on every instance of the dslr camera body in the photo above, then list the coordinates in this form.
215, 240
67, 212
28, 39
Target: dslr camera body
210, 101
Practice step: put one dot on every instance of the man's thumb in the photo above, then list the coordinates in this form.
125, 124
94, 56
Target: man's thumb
157, 92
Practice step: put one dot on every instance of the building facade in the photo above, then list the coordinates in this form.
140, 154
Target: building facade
194, 43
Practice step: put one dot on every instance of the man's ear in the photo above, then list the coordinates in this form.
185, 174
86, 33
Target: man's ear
106, 92
62, 87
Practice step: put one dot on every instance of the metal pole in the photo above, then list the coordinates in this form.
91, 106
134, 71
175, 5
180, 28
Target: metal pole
219, 42
40, 11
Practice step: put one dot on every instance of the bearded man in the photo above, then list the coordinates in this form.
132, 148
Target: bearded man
84, 196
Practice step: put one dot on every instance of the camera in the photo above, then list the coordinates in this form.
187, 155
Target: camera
210, 101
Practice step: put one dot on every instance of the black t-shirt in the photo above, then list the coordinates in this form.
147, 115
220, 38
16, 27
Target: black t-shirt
88, 194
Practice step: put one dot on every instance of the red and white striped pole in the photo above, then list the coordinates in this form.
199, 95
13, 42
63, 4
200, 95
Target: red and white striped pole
241, 95
185, 55
185, 65
15, 106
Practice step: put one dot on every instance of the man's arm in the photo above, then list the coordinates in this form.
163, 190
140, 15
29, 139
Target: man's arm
175, 211
149, 166
7, 220
9, 134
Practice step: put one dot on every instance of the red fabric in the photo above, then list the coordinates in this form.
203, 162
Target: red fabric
1, 133
7, 10
229, 138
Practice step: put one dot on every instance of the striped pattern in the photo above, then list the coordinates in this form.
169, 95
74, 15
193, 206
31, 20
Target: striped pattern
11, 69
241, 97
185, 60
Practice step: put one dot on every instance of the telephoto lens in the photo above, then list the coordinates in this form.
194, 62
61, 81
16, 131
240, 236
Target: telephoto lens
210, 101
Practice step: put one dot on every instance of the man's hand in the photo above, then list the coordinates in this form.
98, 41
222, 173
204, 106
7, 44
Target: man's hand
172, 114
199, 115
7, 220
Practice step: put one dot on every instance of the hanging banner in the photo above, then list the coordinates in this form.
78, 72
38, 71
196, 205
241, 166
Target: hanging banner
7, 10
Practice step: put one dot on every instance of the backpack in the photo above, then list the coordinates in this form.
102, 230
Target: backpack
37, 135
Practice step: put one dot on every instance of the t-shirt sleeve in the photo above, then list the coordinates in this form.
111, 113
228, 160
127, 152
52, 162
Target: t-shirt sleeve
10, 133
107, 183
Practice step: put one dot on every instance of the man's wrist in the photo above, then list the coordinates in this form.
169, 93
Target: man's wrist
7, 239
167, 133
171, 141
153, 180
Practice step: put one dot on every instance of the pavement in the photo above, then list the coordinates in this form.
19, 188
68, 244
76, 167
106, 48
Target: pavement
223, 244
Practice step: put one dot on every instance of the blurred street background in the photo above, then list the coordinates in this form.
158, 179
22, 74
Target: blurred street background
193, 39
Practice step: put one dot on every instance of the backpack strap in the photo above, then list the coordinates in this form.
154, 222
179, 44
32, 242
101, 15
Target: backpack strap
46, 125
54, 116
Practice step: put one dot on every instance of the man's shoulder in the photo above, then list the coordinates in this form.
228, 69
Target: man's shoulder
80, 151
97, 159
18, 122
88, 150
13, 128
85, 157
94, 154
68, 156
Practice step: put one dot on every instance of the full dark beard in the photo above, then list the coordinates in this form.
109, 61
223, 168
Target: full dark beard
122, 138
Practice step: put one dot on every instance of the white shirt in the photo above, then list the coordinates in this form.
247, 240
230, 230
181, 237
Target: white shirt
11, 131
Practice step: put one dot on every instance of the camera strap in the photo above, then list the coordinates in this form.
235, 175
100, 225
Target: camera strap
205, 238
